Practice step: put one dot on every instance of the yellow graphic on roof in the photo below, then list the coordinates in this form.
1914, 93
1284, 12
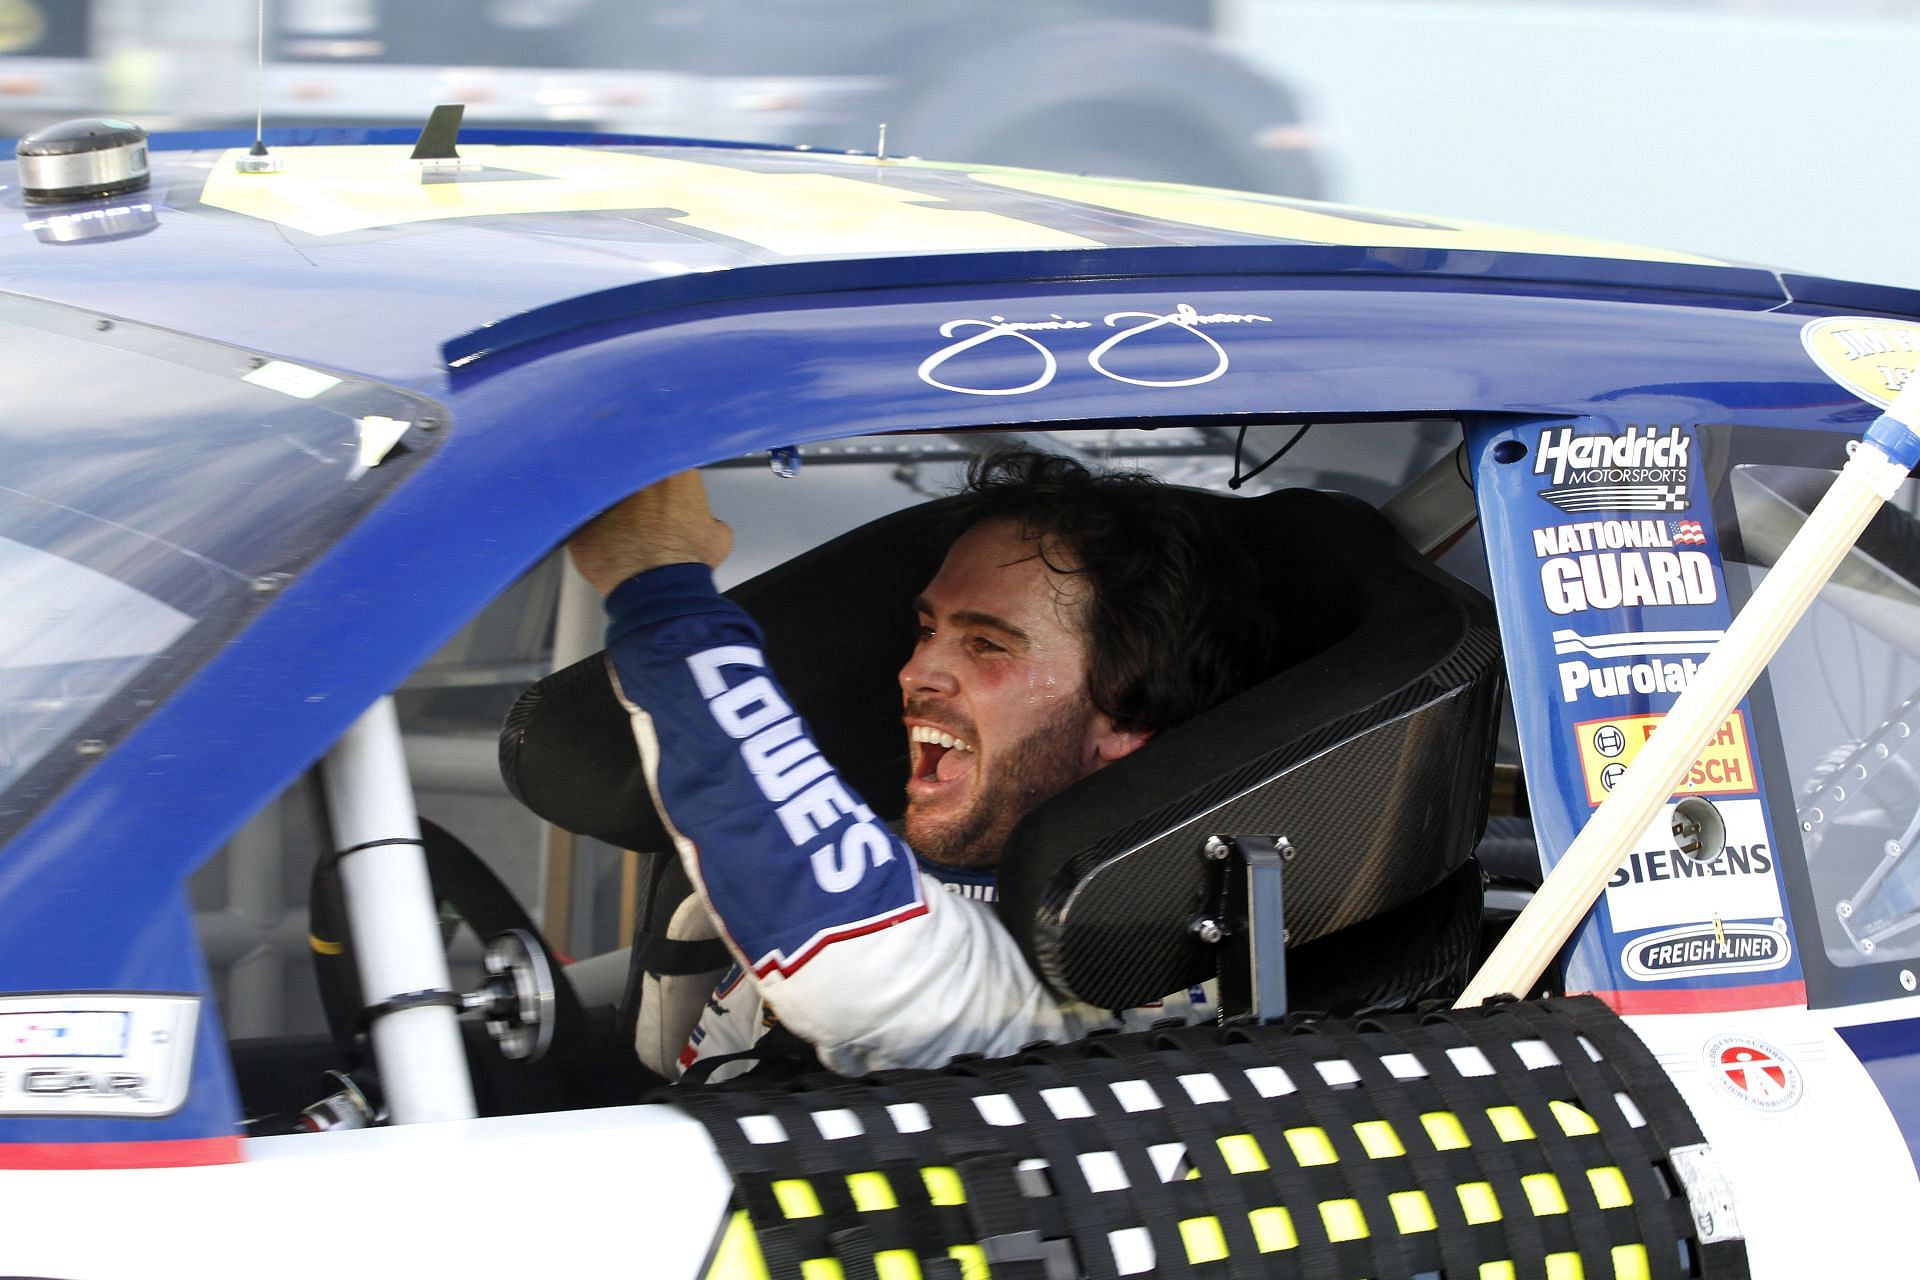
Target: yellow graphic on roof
1869, 356
21, 25
331, 190
1330, 225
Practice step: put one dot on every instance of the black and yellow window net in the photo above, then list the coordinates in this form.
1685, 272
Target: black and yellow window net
1528, 1141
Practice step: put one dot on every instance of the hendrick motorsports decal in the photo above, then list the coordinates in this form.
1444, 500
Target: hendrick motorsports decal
1646, 469
1607, 747
1873, 358
95, 1055
1617, 664
1659, 885
1141, 354
1751, 1071
1739, 946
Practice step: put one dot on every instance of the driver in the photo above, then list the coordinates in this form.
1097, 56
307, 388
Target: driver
1072, 619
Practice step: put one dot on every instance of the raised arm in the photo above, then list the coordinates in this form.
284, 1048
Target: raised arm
822, 905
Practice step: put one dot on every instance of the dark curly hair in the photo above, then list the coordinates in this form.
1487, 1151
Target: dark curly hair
1171, 626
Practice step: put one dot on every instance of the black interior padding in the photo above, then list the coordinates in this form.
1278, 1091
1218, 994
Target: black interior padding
1372, 755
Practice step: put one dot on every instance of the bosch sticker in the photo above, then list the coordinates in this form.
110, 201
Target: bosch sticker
1753, 1072
1741, 946
96, 1055
1646, 469
1871, 357
1608, 747
1660, 886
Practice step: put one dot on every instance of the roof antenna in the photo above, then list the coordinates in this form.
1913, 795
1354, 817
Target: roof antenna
439, 139
437, 154
257, 160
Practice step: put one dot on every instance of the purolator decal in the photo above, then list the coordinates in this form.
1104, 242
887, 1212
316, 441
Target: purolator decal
1646, 469
1617, 664
1739, 946
1142, 353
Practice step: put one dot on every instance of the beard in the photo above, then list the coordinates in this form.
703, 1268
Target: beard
1031, 771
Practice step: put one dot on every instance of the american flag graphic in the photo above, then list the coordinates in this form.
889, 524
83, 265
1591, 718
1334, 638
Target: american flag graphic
1687, 533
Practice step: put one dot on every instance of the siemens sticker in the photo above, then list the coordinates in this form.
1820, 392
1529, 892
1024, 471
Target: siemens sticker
1646, 469
1660, 886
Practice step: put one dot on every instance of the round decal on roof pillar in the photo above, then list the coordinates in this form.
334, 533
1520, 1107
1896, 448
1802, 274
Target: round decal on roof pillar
1870, 356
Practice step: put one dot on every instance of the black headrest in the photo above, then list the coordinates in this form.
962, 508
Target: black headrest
1372, 756
1338, 750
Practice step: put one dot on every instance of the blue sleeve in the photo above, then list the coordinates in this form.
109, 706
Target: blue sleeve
791, 860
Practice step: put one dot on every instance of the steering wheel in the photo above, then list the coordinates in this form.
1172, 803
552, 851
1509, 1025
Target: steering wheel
574, 1071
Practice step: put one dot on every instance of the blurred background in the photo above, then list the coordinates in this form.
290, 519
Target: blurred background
1749, 129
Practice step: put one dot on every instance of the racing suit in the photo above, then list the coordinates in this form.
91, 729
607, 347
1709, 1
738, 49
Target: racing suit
828, 915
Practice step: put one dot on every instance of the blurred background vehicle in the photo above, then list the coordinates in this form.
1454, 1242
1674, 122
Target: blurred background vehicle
1761, 130
1133, 88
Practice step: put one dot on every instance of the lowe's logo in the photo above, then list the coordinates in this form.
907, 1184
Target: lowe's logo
1737, 947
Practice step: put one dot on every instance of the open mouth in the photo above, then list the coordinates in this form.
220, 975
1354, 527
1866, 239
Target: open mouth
939, 757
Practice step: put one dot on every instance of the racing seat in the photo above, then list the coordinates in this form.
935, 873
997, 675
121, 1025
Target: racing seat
1369, 747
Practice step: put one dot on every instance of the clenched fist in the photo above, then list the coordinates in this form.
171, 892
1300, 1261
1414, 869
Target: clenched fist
665, 523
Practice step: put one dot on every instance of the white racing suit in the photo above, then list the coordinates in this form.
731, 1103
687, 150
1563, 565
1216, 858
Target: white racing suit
829, 917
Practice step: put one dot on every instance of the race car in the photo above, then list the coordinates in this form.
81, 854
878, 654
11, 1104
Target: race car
291, 675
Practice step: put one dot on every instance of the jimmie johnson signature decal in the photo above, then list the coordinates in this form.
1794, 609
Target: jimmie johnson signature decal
1169, 363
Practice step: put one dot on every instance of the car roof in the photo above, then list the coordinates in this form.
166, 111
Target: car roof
353, 257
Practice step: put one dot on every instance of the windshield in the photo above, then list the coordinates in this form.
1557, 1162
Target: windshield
155, 491
1846, 692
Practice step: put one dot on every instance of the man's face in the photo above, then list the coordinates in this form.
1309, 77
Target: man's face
996, 703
